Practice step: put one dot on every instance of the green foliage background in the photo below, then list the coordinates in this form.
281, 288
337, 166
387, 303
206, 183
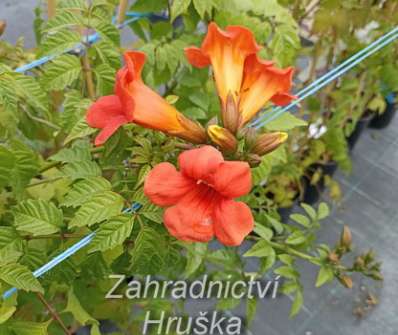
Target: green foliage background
56, 187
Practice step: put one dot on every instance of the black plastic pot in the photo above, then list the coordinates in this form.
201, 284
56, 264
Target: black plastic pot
312, 193
360, 126
329, 168
284, 213
380, 121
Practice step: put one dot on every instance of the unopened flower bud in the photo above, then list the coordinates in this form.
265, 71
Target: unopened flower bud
254, 160
266, 143
250, 136
346, 238
223, 138
359, 262
3, 26
193, 132
345, 281
230, 115
376, 276
333, 257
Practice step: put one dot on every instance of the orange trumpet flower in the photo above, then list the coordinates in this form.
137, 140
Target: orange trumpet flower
199, 198
239, 73
135, 102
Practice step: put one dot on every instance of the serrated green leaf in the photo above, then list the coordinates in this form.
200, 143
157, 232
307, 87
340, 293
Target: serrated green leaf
323, 211
6, 312
309, 210
286, 121
20, 327
112, 233
251, 310
62, 72
260, 249
287, 272
301, 219
202, 6
75, 154
297, 237
85, 189
38, 217
297, 304
7, 162
64, 20
21, 277
105, 78
263, 232
79, 130
195, 256
29, 88
11, 247
75, 107
79, 313
100, 207
325, 275
81, 169
148, 253
60, 41
178, 7
25, 167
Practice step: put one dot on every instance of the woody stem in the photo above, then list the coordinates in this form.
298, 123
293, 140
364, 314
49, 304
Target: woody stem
51, 8
53, 313
122, 11
88, 74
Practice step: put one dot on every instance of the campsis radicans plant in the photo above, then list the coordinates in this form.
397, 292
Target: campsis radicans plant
201, 194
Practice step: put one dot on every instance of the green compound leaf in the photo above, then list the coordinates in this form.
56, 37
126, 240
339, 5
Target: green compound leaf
85, 189
21, 277
100, 207
113, 233
82, 169
28, 328
38, 217
79, 313
61, 73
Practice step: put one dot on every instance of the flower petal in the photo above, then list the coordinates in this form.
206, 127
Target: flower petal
165, 186
191, 219
233, 179
233, 221
282, 99
196, 57
147, 108
262, 82
113, 125
107, 114
103, 110
199, 164
227, 51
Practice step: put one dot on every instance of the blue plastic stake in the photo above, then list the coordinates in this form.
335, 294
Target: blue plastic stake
333, 72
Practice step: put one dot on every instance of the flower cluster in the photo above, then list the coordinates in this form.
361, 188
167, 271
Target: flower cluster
199, 198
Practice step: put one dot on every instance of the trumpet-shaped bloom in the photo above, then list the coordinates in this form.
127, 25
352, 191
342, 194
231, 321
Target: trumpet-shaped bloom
199, 197
135, 102
226, 51
238, 71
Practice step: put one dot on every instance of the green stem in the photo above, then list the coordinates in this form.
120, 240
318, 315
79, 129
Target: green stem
44, 181
50, 165
289, 250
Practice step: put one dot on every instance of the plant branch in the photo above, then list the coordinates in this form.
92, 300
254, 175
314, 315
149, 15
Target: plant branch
88, 75
54, 313
121, 14
44, 181
51, 8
